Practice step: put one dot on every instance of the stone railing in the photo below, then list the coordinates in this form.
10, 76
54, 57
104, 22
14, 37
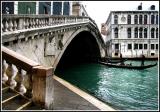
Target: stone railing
21, 22
27, 77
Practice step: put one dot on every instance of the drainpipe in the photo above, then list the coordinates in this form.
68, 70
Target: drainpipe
51, 7
16, 7
37, 7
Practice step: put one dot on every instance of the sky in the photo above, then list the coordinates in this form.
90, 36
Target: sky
99, 10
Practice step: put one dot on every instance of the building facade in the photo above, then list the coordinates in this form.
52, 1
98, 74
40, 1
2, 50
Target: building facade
132, 33
38, 7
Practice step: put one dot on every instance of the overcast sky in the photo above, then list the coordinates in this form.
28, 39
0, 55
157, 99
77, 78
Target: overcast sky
99, 10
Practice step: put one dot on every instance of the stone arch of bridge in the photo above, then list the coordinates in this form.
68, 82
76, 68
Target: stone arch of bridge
84, 38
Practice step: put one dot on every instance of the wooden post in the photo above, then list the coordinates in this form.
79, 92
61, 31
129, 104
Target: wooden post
42, 86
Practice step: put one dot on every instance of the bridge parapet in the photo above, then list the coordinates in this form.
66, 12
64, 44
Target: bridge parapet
27, 77
47, 35
11, 23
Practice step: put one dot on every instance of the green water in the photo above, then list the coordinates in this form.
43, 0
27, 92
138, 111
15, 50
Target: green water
123, 89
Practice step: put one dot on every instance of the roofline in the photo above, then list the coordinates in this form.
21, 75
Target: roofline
134, 11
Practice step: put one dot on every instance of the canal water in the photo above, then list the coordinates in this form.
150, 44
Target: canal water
123, 89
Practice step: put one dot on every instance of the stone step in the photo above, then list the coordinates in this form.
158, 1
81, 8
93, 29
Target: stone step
14, 103
8, 94
12, 100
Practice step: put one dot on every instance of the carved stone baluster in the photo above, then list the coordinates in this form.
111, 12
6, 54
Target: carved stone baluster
28, 84
10, 73
10, 25
15, 25
4, 76
47, 20
46, 23
6, 26
27, 23
33, 23
37, 24
54, 21
30, 23
51, 21
19, 78
42, 21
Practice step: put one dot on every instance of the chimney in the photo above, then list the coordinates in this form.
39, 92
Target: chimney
140, 6
152, 7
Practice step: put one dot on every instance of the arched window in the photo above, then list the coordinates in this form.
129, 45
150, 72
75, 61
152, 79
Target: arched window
152, 33
140, 32
116, 33
115, 19
140, 19
152, 19
129, 19
129, 32
135, 19
136, 33
145, 33
156, 32
156, 19
145, 19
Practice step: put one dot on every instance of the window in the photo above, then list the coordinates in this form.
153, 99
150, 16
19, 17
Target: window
140, 46
156, 32
145, 46
145, 19
152, 54
136, 33
135, 46
156, 19
116, 46
57, 8
152, 19
116, 54
115, 19
152, 46
129, 19
129, 32
116, 32
156, 46
129, 46
140, 32
152, 33
135, 19
140, 19
145, 33
66, 8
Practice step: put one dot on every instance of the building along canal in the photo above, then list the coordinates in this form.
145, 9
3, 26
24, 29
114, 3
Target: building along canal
123, 89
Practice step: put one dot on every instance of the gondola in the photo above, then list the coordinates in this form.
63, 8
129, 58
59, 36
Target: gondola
115, 61
112, 60
128, 66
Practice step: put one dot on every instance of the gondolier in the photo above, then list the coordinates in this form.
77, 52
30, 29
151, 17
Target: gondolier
122, 62
143, 59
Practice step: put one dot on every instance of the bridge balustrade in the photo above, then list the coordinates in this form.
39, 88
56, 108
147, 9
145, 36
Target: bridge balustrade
20, 22
27, 77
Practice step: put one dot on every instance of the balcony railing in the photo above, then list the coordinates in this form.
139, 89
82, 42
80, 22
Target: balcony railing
27, 77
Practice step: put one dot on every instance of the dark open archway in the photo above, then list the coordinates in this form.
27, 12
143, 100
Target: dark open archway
83, 48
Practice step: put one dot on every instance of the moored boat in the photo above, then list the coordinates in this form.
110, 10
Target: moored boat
113, 60
128, 66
